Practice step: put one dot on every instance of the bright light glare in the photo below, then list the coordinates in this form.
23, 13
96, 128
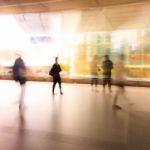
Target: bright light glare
122, 37
12, 36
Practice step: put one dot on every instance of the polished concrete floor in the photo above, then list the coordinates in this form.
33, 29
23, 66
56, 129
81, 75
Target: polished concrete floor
80, 119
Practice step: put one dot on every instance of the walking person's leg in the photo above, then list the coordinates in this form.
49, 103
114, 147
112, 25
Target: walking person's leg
92, 82
104, 84
96, 83
115, 105
22, 82
118, 92
21, 100
109, 84
54, 84
116, 97
60, 88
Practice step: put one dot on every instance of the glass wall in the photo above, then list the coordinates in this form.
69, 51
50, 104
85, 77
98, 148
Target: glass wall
134, 44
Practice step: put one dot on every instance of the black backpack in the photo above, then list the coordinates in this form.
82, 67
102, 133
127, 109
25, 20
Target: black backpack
51, 72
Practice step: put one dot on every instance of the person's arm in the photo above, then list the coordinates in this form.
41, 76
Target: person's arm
23, 66
51, 72
60, 68
14, 69
98, 68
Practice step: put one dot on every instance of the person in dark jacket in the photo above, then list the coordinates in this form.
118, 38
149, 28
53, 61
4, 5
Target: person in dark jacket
55, 73
107, 66
19, 71
19, 74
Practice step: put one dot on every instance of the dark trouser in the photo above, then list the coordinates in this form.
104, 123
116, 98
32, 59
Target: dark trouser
55, 80
22, 81
120, 90
107, 81
94, 81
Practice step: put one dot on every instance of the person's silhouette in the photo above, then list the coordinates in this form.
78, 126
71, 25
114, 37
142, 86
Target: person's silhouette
94, 72
55, 73
119, 78
19, 75
107, 66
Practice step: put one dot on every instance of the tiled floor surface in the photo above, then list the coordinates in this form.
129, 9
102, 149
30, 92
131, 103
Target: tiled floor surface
80, 119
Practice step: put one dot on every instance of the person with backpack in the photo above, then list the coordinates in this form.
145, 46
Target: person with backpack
55, 73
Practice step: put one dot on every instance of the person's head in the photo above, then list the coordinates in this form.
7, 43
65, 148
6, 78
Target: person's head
56, 59
17, 55
106, 57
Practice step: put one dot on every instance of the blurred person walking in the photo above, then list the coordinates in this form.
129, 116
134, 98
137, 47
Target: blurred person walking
19, 75
55, 73
94, 72
107, 66
119, 78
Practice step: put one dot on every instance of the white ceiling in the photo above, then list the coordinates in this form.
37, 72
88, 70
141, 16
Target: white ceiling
84, 15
